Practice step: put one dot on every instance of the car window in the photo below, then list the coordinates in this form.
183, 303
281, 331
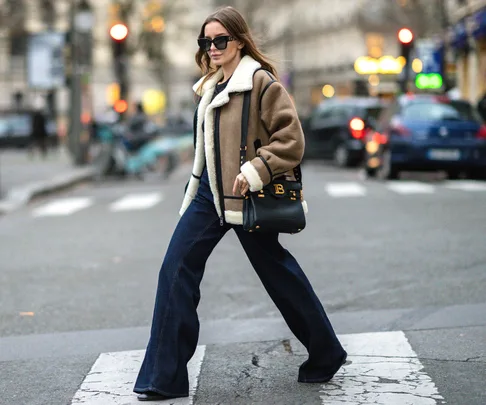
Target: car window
20, 123
434, 111
324, 113
3, 126
339, 112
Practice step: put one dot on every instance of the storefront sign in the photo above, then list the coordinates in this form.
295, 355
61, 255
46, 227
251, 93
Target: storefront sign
366, 65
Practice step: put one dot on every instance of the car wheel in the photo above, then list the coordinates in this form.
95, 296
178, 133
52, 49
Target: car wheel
453, 174
387, 170
341, 156
477, 174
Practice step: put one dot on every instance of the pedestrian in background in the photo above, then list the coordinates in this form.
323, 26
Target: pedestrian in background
38, 133
482, 107
212, 205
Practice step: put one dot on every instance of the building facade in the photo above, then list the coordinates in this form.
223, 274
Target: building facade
317, 42
466, 36
173, 73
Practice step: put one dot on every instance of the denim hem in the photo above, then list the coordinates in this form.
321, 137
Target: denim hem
161, 392
175, 277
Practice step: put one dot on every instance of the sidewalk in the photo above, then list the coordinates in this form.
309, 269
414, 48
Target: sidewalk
22, 177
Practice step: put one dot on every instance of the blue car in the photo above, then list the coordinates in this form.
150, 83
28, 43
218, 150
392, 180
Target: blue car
426, 133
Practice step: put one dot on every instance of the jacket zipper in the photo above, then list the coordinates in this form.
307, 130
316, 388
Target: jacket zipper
217, 162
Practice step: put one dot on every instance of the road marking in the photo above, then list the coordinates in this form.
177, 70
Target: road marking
384, 370
348, 189
62, 207
466, 185
410, 187
136, 202
112, 377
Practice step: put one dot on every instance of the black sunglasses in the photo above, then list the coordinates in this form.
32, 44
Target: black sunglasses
219, 42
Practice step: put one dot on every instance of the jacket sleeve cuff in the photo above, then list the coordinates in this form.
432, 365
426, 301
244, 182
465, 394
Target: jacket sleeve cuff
252, 176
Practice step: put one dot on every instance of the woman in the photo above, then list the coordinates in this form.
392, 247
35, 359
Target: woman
212, 205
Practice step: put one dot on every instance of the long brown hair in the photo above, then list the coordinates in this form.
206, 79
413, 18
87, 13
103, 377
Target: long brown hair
235, 24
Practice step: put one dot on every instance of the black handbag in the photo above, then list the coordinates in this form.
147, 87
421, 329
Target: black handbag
278, 206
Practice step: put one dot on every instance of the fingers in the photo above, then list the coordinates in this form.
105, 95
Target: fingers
240, 185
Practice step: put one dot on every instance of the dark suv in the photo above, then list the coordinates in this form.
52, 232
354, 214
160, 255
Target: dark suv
336, 128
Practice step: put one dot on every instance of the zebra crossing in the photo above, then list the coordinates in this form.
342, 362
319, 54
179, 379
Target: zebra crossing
382, 368
339, 190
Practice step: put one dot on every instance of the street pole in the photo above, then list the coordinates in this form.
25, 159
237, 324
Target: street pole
74, 84
80, 25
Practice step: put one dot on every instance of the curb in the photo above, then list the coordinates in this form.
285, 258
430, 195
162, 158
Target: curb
18, 197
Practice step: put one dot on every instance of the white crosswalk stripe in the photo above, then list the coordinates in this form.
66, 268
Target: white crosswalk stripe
383, 369
410, 187
347, 189
136, 202
466, 185
338, 190
111, 379
62, 207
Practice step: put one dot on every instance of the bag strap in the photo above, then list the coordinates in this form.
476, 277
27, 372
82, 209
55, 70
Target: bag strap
244, 135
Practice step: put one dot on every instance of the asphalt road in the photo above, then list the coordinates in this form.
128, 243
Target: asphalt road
383, 257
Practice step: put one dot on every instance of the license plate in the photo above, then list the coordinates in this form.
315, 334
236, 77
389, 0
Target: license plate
444, 154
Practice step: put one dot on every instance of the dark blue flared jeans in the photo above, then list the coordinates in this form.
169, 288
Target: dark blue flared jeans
175, 325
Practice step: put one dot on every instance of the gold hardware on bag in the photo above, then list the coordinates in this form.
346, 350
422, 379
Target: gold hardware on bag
279, 189
261, 195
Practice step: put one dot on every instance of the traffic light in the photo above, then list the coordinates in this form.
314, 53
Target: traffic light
405, 37
406, 41
119, 37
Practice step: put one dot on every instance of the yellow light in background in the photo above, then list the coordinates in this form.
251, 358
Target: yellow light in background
402, 61
374, 80
153, 101
328, 91
365, 65
157, 24
372, 147
112, 93
374, 163
389, 64
417, 65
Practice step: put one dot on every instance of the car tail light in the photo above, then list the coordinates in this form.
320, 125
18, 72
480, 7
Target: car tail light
482, 132
357, 127
379, 138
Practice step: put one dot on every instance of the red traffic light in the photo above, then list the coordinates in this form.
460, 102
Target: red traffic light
120, 106
119, 32
405, 36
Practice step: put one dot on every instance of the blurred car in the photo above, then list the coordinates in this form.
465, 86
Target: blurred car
427, 133
16, 127
335, 129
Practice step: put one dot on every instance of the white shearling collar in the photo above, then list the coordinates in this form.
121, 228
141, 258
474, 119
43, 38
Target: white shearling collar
241, 80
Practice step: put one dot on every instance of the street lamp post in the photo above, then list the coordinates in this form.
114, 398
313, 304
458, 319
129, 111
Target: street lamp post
81, 27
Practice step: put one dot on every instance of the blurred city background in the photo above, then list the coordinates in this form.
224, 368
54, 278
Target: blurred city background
84, 64
63, 55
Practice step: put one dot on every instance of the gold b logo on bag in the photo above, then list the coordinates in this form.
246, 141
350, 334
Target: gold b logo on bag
279, 189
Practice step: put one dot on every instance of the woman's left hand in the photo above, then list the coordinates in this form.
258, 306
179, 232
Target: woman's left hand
240, 185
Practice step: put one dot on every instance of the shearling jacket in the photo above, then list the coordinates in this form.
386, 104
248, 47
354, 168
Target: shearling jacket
275, 142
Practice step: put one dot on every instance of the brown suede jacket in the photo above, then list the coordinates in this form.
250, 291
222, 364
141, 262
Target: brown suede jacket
276, 126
